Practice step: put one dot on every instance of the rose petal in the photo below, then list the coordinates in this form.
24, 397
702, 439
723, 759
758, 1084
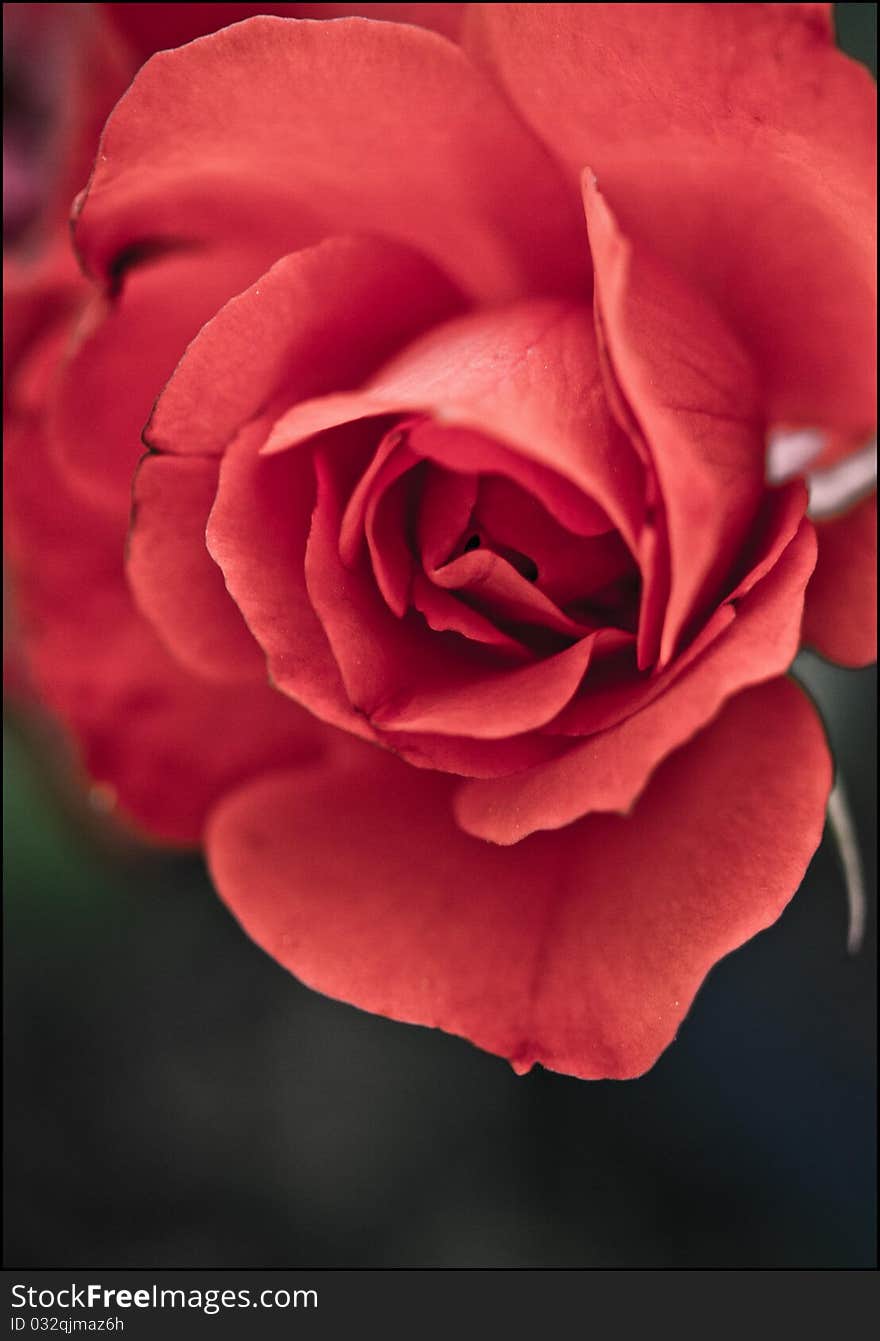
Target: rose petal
694, 393
444, 612
581, 951
569, 567
526, 376
492, 706
387, 521
608, 771
501, 592
737, 144
175, 581
622, 691
156, 736
840, 615
447, 501
390, 461
127, 347
467, 757
568, 502
253, 130
320, 319
257, 534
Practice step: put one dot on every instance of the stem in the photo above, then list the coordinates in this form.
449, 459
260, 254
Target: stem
841, 822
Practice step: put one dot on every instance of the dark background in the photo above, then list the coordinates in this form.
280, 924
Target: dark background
175, 1098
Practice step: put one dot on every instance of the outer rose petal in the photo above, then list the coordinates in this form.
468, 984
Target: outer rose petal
581, 950
126, 349
737, 144
840, 615
607, 771
159, 737
252, 129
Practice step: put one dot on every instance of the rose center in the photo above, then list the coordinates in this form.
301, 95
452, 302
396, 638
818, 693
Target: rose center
523, 564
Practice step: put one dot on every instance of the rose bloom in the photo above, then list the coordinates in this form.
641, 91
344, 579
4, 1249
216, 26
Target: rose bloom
453, 612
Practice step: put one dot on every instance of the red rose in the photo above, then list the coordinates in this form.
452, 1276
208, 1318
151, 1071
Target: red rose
477, 482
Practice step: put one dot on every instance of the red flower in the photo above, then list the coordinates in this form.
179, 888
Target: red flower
458, 386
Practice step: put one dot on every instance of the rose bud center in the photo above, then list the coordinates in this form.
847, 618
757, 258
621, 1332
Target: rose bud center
454, 526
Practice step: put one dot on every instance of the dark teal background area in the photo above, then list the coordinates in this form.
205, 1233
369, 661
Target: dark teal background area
173, 1097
